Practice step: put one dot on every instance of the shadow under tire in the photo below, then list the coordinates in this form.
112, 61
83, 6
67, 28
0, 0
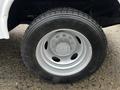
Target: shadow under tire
63, 45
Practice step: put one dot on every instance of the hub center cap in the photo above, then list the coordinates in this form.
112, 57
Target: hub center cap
62, 44
63, 49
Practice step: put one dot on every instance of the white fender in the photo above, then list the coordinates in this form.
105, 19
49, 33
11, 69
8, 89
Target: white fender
4, 12
119, 1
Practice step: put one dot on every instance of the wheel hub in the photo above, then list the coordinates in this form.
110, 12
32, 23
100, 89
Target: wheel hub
63, 49
62, 44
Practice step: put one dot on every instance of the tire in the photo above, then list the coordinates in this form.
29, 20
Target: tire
42, 56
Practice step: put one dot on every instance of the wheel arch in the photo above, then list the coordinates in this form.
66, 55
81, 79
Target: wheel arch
25, 11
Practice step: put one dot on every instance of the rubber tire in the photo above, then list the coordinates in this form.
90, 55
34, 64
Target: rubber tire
63, 18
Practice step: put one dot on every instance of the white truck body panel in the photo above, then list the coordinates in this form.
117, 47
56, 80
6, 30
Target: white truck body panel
119, 1
4, 12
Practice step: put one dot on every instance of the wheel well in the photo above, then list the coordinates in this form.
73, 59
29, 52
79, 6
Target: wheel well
24, 11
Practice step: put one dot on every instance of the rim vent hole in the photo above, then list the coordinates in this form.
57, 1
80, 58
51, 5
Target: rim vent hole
74, 56
46, 45
56, 59
78, 39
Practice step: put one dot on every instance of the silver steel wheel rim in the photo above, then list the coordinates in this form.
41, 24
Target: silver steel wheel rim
63, 52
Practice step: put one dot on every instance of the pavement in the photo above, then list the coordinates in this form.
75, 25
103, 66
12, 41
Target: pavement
15, 76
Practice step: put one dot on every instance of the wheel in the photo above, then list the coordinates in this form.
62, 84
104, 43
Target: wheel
63, 45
